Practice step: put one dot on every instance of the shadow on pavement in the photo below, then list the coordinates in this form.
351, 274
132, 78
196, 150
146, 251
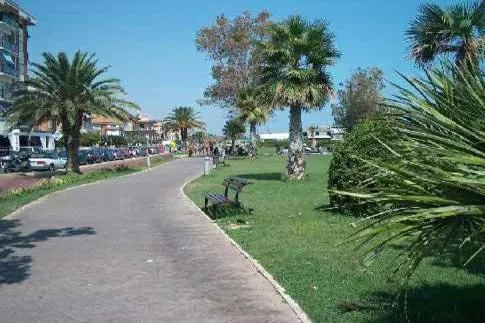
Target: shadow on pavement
14, 267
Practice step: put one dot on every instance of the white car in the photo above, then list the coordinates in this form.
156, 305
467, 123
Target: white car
47, 161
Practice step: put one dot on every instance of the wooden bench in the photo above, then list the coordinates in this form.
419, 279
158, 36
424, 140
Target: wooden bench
231, 183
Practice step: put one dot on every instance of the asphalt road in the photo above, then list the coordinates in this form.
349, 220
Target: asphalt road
133, 249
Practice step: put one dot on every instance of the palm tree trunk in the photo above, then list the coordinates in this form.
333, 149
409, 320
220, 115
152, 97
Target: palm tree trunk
233, 145
252, 139
183, 134
73, 141
296, 159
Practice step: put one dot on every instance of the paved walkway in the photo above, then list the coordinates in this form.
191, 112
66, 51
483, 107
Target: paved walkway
128, 250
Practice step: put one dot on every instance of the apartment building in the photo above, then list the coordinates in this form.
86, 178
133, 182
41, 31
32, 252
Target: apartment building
14, 57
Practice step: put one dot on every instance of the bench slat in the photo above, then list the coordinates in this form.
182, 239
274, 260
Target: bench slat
216, 198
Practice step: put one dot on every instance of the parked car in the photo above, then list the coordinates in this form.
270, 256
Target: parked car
82, 156
94, 156
47, 161
106, 154
119, 154
127, 153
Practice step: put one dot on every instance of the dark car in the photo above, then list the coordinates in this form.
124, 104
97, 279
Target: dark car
82, 156
142, 151
107, 154
118, 153
93, 156
126, 152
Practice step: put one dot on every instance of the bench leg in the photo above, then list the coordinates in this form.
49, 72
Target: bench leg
205, 204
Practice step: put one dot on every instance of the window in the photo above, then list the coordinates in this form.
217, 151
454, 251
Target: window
317, 133
5, 90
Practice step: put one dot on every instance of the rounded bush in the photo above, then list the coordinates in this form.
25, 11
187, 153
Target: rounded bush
348, 170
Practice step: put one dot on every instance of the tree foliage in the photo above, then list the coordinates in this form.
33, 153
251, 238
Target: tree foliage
360, 98
183, 119
230, 45
348, 170
252, 108
294, 62
435, 180
65, 91
458, 30
233, 129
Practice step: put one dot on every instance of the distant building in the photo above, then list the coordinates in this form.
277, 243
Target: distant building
323, 133
274, 136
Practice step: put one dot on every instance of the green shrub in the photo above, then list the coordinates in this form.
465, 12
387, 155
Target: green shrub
435, 180
347, 170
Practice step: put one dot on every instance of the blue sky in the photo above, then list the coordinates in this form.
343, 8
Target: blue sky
149, 44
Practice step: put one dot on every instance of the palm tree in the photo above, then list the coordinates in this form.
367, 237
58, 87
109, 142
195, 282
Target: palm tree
294, 61
457, 30
313, 130
251, 109
233, 129
432, 183
65, 91
182, 119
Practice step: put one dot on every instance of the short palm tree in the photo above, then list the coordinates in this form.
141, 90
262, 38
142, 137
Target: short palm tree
313, 132
233, 129
294, 62
66, 91
433, 183
182, 119
252, 110
457, 30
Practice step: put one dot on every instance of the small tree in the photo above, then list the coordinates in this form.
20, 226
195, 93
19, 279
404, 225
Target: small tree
360, 98
66, 91
234, 129
182, 119
313, 130
252, 109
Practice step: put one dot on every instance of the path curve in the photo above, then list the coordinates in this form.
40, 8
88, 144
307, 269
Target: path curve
132, 249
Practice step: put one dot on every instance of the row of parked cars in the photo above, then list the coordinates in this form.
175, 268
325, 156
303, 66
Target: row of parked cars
99, 155
29, 159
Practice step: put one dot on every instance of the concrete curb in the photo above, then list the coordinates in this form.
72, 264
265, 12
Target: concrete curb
43, 198
301, 315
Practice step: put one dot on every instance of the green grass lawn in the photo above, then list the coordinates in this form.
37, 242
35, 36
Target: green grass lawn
298, 245
13, 200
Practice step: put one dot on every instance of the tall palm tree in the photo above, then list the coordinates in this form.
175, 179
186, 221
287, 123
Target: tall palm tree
66, 91
251, 109
457, 30
233, 129
294, 61
182, 119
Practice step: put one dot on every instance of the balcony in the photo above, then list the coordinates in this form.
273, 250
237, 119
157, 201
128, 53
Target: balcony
9, 70
9, 21
8, 45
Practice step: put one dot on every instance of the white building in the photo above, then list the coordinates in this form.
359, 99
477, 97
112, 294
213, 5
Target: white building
323, 132
274, 136
14, 24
